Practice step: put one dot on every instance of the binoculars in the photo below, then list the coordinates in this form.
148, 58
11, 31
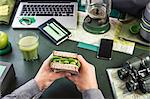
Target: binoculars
136, 71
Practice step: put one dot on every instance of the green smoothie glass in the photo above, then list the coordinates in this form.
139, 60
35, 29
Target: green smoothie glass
28, 44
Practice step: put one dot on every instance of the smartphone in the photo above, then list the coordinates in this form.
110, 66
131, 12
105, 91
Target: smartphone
105, 49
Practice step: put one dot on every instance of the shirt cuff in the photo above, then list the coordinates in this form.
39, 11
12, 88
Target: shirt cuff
28, 90
92, 94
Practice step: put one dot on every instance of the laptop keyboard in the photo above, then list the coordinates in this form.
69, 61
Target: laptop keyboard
47, 10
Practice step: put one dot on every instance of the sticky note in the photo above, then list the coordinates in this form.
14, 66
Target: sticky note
4, 10
2, 69
88, 46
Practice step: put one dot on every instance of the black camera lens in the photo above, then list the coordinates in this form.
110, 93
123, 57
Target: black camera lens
144, 84
123, 73
137, 72
128, 70
145, 60
132, 85
143, 73
148, 71
134, 63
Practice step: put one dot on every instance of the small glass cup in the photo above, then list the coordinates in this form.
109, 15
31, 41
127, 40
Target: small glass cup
28, 44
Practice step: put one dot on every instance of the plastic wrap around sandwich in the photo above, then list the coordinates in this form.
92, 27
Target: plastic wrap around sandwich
64, 62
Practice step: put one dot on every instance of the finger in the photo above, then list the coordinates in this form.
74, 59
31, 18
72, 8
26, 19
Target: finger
58, 75
46, 64
47, 61
82, 60
68, 74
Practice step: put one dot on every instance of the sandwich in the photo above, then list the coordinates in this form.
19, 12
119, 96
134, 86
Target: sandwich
64, 62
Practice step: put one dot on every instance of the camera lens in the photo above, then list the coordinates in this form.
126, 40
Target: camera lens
144, 84
137, 71
133, 65
131, 85
123, 73
134, 75
134, 62
148, 71
143, 73
127, 71
145, 60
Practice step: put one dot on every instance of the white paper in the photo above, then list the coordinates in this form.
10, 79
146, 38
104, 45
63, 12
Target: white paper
2, 69
80, 35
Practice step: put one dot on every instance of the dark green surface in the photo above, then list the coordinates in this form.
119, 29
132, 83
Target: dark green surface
6, 50
61, 88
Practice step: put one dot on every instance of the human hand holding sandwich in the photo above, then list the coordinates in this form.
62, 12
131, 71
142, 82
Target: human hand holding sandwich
77, 70
84, 81
86, 78
45, 77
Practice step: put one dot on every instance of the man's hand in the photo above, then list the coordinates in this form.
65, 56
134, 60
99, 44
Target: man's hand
45, 76
87, 78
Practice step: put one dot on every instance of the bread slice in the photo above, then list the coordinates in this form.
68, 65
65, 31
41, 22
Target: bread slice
64, 54
59, 66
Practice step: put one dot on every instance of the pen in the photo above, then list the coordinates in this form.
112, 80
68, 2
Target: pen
53, 29
59, 28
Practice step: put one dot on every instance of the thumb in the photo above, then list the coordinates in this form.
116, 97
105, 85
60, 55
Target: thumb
82, 60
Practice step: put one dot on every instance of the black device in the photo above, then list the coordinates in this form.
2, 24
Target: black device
56, 32
142, 84
136, 73
133, 65
7, 78
105, 49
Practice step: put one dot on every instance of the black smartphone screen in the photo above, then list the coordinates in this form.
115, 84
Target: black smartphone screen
105, 49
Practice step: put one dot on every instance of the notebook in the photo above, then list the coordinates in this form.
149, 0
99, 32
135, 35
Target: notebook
54, 31
2, 69
33, 13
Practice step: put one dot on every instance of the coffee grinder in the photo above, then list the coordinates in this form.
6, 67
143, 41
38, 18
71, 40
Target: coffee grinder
97, 19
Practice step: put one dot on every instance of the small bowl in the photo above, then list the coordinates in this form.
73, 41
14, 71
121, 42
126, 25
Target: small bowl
145, 33
147, 12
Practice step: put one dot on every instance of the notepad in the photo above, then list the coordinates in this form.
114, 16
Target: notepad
4, 10
2, 69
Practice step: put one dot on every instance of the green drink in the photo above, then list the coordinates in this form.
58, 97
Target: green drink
29, 47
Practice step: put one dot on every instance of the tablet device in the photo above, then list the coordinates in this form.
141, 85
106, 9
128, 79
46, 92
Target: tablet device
54, 31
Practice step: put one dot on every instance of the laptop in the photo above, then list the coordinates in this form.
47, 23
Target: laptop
33, 13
